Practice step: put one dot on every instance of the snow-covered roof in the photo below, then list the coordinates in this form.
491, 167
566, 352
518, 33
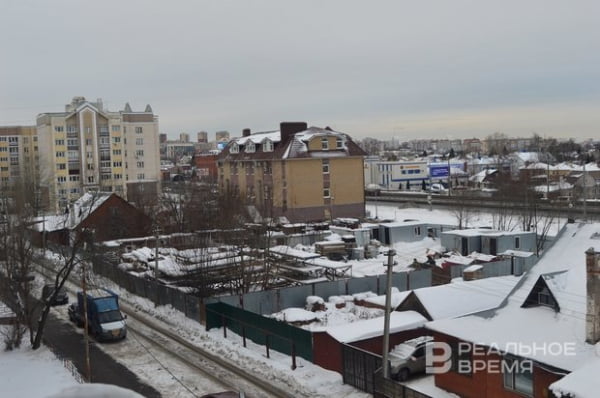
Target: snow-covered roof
85, 205
295, 315
258, 138
361, 330
480, 177
397, 298
473, 268
553, 187
290, 252
582, 383
516, 253
461, 298
482, 257
456, 259
563, 269
397, 224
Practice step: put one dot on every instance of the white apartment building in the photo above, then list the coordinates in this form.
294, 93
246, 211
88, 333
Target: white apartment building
88, 148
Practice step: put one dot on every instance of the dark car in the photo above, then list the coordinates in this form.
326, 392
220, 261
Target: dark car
60, 299
225, 394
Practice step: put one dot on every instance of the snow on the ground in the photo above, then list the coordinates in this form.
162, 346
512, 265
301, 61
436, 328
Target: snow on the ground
307, 380
96, 390
426, 385
475, 218
29, 374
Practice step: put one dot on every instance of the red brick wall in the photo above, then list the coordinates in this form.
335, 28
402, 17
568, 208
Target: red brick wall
484, 384
327, 351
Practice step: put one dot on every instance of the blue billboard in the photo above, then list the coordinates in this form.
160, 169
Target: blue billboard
438, 171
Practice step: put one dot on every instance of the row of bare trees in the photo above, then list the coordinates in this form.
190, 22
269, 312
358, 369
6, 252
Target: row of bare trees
520, 208
20, 256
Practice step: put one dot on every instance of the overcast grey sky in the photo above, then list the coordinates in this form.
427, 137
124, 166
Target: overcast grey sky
411, 69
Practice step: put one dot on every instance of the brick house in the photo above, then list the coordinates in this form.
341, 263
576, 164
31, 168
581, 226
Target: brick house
299, 172
545, 329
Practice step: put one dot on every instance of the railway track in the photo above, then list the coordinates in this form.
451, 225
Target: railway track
213, 372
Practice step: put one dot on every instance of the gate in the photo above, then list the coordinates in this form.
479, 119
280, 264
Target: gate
359, 367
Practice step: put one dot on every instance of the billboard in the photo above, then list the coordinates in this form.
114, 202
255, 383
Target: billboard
438, 171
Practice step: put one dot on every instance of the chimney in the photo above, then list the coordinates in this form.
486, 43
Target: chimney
246, 132
592, 318
288, 129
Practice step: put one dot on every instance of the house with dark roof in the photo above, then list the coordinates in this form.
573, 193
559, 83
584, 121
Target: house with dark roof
298, 172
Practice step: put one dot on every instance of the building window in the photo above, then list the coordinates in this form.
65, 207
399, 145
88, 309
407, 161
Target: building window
115, 128
268, 168
72, 142
3, 149
59, 142
91, 179
73, 155
324, 144
116, 152
518, 375
140, 176
140, 164
59, 129
138, 130
14, 149
517, 242
250, 147
235, 148
339, 143
139, 141
74, 178
116, 139
326, 193
117, 176
117, 164
268, 146
3, 139
104, 140
90, 166
61, 166
139, 152
325, 166
61, 179
418, 231
60, 154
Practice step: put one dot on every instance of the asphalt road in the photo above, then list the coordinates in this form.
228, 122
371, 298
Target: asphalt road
61, 336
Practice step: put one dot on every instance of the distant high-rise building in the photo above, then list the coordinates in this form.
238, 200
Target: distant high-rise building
184, 137
87, 148
203, 136
162, 138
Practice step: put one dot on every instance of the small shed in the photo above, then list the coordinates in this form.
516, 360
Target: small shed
402, 231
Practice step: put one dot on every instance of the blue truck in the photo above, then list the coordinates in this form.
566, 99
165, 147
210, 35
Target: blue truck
105, 320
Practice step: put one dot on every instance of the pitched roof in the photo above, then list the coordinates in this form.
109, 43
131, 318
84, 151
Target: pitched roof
515, 330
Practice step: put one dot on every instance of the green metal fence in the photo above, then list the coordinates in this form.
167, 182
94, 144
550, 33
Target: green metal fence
274, 334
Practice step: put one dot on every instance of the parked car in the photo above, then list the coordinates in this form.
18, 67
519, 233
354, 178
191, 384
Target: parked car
60, 299
437, 188
409, 357
225, 394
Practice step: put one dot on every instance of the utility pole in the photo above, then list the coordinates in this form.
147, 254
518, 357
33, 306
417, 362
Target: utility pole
156, 236
584, 193
449, 180
388, 310
86, 334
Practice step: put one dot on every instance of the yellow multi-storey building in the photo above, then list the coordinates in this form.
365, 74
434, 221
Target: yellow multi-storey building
87, 148
301, 173
18, 155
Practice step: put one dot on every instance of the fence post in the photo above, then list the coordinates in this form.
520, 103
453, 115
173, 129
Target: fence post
244, 335
267, 345
293, 356
224, 322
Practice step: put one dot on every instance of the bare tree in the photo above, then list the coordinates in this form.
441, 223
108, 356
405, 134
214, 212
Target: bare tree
462, 211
